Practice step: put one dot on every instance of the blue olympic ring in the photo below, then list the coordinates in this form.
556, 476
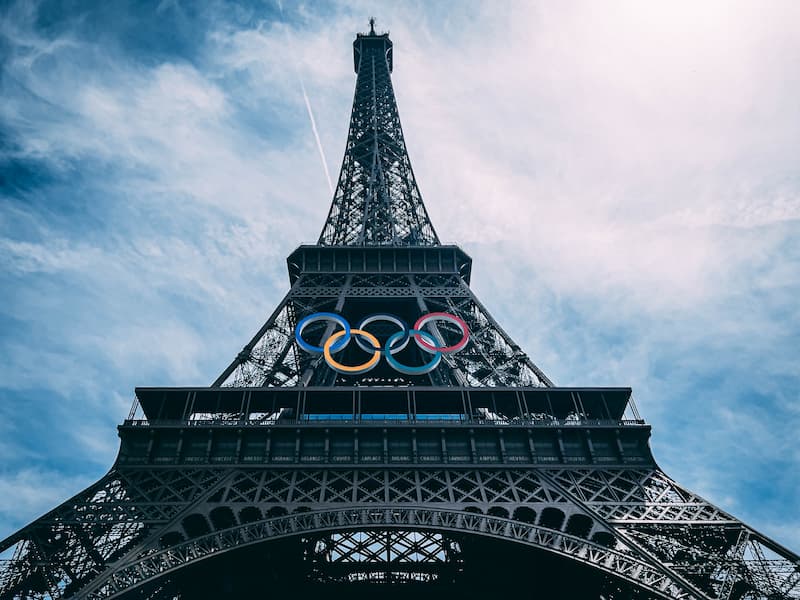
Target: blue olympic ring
321, 316
428, 342
421, 370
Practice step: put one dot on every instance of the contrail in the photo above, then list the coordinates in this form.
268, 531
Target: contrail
308, 107
316, 135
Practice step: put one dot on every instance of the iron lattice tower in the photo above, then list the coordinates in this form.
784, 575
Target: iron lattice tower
292, 475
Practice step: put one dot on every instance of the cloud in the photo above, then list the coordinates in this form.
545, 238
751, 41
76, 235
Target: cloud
613, 152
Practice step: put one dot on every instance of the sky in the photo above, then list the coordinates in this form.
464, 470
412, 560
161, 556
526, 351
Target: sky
624, 174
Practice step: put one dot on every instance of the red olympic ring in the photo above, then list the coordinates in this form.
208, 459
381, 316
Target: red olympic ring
442, 316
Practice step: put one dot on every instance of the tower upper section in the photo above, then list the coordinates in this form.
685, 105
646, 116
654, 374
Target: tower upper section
377, 201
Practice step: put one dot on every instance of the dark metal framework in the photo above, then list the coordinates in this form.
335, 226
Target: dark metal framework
288, 472
377, 201
384, 556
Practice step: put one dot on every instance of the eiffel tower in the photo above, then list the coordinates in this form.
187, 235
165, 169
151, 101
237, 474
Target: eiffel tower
346, 452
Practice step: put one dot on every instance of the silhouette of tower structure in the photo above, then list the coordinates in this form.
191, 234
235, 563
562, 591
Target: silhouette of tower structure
382, 433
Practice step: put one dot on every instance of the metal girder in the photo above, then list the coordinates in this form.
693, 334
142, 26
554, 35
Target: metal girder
384, 556
704, 545
61, 551
127, 518
155, 565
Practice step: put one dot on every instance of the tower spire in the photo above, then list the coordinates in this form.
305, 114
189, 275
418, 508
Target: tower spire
377, 201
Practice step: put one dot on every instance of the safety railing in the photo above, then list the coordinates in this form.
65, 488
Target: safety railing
384, 422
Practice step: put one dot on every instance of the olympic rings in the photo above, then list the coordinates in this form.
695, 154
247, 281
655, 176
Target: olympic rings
426, 341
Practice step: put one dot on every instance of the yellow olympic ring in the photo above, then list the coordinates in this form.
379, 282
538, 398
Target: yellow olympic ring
356, 369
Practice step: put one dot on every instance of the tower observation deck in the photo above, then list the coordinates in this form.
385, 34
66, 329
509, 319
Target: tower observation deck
381, 433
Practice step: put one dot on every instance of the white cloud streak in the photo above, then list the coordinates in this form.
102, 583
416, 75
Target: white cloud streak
310, 111
316, 137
